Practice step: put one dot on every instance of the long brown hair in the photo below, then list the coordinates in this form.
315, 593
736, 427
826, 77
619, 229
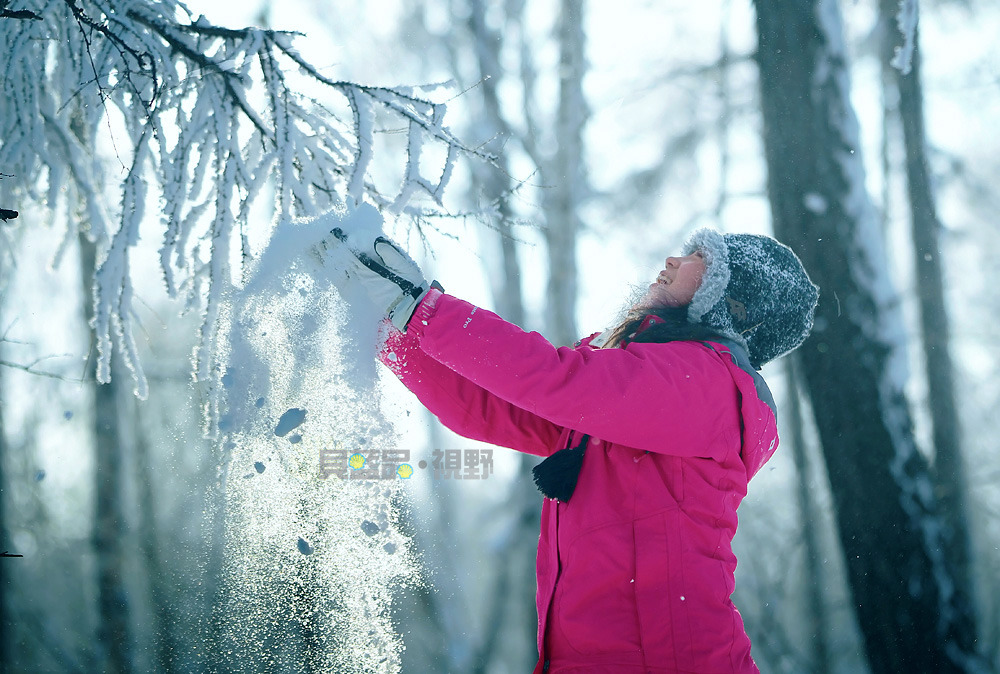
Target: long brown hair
673, 326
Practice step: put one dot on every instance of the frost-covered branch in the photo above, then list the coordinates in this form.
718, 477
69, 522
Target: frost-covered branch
204, 117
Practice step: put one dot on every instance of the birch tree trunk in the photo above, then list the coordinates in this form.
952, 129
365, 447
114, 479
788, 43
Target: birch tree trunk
164, 611
818, 630
114, 634
565, 177
495, 182
854, 364
511, 601
925, 227
6, 627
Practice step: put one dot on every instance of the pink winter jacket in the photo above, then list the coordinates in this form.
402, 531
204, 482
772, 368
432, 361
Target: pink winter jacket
636, 570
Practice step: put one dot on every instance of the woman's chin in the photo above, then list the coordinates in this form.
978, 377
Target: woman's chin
653, 299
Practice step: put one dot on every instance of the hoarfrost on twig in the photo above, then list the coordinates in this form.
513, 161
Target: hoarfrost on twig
211, 114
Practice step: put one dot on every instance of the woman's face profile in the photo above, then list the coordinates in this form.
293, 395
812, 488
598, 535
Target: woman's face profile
677, 283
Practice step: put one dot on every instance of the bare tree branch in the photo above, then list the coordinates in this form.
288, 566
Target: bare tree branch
18, 14
30, 369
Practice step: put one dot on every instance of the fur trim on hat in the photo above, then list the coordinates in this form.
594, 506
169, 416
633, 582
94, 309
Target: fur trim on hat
713, 284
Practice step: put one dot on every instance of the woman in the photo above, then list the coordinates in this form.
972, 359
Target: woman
652, 431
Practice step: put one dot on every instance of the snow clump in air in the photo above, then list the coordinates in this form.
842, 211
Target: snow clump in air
323, 554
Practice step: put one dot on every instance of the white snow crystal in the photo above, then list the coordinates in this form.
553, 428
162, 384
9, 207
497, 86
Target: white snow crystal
814, 203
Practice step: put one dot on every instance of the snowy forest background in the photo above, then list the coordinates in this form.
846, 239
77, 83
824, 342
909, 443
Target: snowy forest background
543, 158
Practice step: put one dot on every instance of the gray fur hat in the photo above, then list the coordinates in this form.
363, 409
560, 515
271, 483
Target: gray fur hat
755, 291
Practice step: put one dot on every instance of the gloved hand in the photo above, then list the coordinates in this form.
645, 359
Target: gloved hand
391, 279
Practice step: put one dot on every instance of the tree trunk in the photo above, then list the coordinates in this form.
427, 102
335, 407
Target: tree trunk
853, 365
114, 634
949, 471
816, 616
512, 598
6, 626
495, 181
565, 177
164, 616
214, 657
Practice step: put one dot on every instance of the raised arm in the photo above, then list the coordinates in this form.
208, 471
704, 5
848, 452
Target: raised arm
463, 406
669, 398
500, 384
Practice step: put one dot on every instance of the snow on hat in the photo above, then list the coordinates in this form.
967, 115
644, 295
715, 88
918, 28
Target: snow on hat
754, 290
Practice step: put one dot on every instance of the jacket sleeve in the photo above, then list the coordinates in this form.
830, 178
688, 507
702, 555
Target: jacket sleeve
677, 398
463, 406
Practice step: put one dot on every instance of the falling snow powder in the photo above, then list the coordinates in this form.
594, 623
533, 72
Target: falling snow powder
311, 563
